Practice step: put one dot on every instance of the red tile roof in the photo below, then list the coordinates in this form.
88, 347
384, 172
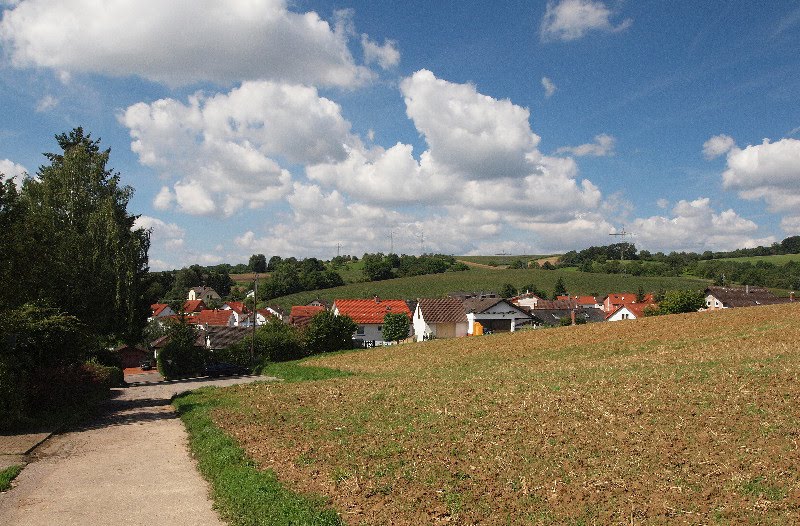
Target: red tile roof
191, 306
214, 317
237, 306
158, 308
637, 309
370, 311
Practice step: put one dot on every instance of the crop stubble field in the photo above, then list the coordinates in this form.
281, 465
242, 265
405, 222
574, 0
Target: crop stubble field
689, 419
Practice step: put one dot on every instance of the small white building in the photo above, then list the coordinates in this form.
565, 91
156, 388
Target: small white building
629, 311
494, 314
440, 318
369, 315
528, 300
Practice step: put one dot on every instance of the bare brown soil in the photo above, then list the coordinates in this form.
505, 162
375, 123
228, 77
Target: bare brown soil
552, 260
248, 277
690, 419
481, 265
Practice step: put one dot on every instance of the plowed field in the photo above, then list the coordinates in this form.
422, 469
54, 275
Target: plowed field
690, 419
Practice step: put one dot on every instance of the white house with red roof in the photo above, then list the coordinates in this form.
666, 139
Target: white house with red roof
239, 310
160, 310
528, 299
629, 311
615, 300
369, 314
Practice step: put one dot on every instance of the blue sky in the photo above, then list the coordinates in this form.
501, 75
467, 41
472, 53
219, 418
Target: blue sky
458, 127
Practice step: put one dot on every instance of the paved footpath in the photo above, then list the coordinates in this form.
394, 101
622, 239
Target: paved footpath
130, 466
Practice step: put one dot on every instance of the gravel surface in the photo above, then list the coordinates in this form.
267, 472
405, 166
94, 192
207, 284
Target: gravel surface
130, 466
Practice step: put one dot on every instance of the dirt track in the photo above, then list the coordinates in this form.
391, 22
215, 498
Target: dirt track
131, 466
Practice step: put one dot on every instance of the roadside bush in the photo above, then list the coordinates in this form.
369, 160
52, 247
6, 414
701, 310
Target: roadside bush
328, 333
106, 376
180, 358
13, 394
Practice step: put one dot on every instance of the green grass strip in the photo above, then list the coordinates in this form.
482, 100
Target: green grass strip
7, 475
243, 494
295, 372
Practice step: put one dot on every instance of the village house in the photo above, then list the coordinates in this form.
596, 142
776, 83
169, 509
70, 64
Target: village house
369, 315
215, 318
239, 310
584, 302
737, 297
160, 310
628, 311
553, 317
487, 315
193, 307
440, 318
614, 301
203, 293
527, 299
300, 315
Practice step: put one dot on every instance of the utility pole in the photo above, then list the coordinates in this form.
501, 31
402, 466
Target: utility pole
338, 249
255, 319
622, 234
391, 241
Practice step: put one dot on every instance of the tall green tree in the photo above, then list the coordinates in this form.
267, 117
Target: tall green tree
257, 263
81, 249
396, 327
560, 288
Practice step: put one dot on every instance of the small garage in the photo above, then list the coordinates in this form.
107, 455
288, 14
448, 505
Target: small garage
131, 356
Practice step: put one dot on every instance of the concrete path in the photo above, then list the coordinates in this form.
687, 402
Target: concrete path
130, 466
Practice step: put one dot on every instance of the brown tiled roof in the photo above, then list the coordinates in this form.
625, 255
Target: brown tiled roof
744, 297
371, 311
442, 310
556, 304
479, 305
222, 337
301, 315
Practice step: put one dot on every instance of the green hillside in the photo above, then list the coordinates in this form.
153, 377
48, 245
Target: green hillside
477, 279
780, 259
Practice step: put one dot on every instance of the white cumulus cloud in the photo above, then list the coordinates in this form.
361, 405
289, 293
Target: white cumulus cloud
226, 150
602, 146
768, 171
696, 226
386, 56
469, 134
718, 145
9, 169
181, 41
549, 87
571, 19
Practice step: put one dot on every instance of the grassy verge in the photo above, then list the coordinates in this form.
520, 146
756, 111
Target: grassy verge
7, 475
294, 372
243, 494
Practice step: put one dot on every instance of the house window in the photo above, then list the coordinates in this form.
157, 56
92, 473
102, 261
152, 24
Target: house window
360, 331
380, 328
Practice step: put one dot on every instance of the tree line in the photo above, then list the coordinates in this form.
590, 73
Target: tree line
73, 270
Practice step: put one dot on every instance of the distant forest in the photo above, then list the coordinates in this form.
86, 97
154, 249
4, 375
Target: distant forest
624, 258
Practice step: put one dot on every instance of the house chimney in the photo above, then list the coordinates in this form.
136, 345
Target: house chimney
572, 316
747, 289
377, 299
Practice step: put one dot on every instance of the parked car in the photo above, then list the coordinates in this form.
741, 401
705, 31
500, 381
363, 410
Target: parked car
225, 369
146, 365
